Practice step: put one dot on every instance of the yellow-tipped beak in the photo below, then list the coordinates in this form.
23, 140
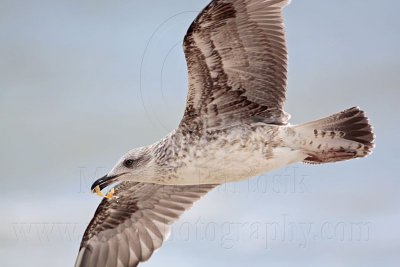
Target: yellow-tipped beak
109, 195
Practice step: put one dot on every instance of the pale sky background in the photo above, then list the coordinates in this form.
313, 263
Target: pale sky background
82, 82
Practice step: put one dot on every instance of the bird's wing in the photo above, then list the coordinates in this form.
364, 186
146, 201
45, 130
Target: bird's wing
128, 228
237, 62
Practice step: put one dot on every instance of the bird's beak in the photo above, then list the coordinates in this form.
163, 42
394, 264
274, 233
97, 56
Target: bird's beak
103, 182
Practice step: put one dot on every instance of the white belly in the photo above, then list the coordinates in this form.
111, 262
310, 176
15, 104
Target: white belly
236, 166
245, 155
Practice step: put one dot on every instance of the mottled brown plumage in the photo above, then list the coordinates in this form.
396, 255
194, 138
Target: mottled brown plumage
237, 60
129, 227
234, 127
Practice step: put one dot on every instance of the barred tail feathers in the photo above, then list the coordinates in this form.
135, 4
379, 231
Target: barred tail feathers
342, 136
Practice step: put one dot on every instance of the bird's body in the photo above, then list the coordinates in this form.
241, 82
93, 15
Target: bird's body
234, 127
187, 157
220, 156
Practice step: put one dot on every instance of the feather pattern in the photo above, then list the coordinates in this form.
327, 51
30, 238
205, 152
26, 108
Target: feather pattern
128, 228
237, 62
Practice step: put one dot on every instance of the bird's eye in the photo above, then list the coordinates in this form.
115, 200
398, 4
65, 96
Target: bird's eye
128, 163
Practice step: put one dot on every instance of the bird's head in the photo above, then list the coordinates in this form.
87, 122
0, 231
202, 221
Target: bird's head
133, 166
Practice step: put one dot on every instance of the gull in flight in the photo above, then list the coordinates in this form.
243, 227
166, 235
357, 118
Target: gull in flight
234, 127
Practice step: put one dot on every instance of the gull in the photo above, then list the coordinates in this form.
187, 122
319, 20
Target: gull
234, 127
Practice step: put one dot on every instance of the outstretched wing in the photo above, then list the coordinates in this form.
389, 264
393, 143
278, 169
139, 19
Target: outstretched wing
128, 228
237, 62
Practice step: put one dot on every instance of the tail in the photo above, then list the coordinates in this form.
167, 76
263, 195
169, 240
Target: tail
343, 136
